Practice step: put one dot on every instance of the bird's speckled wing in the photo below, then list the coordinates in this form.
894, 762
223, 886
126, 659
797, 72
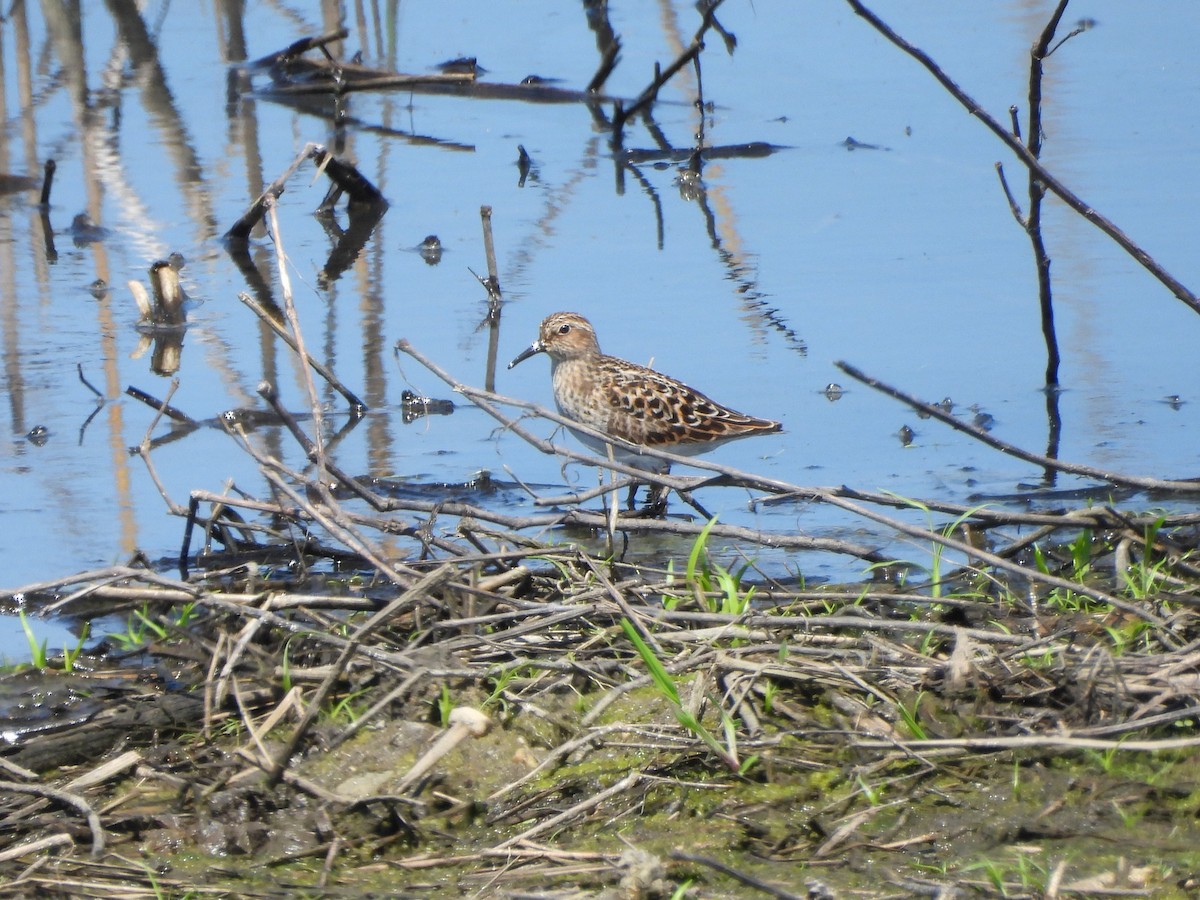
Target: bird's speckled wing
647, 407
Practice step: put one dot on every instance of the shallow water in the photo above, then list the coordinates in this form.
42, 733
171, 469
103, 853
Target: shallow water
903, 259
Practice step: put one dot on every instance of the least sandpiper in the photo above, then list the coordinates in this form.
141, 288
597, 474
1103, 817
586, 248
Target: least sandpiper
628, 401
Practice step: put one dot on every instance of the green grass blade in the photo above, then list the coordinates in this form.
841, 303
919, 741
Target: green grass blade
698, 548
662, 679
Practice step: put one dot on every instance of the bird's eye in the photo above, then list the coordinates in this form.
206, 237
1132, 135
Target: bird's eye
564, 329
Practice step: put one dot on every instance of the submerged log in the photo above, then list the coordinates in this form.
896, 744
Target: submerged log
137, 719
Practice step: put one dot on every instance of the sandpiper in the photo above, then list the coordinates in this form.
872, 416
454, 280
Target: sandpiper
632, 402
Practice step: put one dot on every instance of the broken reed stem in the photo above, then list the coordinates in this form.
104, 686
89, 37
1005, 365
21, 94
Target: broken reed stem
300, 47
240, 230
489, 249
1039, 52
289, 309
168, 294
162, 407
48, 171
492, 285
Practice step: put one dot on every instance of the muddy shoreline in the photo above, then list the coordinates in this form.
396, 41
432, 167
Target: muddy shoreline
803, 743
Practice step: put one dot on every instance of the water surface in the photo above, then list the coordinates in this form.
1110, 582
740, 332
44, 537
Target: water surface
902, 258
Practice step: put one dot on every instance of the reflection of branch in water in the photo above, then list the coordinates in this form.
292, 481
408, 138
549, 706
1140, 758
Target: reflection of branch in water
184, 424
50, 250
596, 13
691, 187
158, 99
326, 108
366, 206
747, 284
649, 191
245, 419
239, 252
621, 113
100, 401
608, 62
289, 420
347, 243
750, 150
756, 302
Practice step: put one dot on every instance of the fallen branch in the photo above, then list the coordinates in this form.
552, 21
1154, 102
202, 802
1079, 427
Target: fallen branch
936, 412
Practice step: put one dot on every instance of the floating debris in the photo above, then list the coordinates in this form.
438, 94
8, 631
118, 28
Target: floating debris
691, 185
169, 297
431, 249
984, 421
524, 165
851, 144
413, 407
463, 65
162, 322
84, 231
